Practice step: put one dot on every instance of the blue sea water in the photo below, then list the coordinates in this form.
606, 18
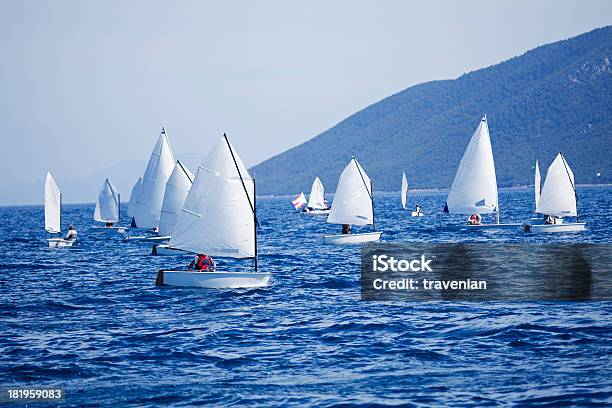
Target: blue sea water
91, 320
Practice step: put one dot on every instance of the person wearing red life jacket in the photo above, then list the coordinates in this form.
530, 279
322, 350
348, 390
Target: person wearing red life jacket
203, 263
475, 219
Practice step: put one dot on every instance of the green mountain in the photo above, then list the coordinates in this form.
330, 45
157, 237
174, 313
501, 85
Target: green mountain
557, 97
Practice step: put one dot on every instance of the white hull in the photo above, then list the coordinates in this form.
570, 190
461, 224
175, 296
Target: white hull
215, 280
417, 214
569, 227
59, 243
317, 212
352, 238
481, 227
117, 228
145, 238
165, 250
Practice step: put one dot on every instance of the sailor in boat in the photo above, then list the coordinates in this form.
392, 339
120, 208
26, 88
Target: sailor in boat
72, 233
346, 229
475, 219
417, 209
109, 225
552, 220
203, 262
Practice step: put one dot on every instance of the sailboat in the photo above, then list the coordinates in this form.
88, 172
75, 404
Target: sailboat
558, 200
218, 218
353, 205
53, 213
536, 184
177, 189
316, 200
147, 208
299, 201
133, 197
108, 206
404, 194
474, 189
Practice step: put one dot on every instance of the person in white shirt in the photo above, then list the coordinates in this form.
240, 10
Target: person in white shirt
72, 233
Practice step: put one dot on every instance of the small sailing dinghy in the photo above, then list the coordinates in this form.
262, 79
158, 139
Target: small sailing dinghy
133, 197
404, 193
299, 201
474, 189
353, 205
317, 205
557, 200
177, 189
147, 208
218, 219
53, 213
108, 207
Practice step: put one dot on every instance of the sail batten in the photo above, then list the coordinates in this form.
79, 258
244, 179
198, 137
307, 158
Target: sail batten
217, 217
558, 196
53, 205
353, 199
474, 189
147, 209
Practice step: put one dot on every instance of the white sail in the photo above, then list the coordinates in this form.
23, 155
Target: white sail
53, 205
558, 194
316, 200
353, 199
474, 188
148, 205
218, 215
134, 197
536, 183
404, 190
177, 189
107, 207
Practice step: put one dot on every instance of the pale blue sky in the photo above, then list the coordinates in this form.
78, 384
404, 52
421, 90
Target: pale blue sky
87, 84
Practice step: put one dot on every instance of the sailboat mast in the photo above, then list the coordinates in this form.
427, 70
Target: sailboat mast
247, 195
255, 220
372, 199
60, 216
118, 208
369, 192
572, 182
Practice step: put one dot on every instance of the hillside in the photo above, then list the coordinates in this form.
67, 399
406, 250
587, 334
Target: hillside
557, 97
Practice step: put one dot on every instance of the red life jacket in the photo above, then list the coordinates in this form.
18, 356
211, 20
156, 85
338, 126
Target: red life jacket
203, 263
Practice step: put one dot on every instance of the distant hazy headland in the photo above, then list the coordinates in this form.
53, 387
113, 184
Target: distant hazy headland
557, 97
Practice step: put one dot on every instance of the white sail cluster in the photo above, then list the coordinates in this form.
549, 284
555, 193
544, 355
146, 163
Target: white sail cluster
353, 199
147, 209
108, 204
177, 188
559, 193
53, 205
218, 217
474, 189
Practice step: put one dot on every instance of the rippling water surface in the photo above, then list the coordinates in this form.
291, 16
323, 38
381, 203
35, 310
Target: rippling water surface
90, 319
